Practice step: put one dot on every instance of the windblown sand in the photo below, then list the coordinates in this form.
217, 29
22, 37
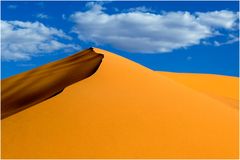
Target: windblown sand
24, 90
125, 110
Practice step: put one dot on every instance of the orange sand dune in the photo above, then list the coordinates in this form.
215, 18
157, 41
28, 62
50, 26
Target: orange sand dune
124, 110
29, 88
223, 88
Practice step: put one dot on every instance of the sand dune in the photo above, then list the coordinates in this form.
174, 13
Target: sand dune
29, 88
223, 88
124, 110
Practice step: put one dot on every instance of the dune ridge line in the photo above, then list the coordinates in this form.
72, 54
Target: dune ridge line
29, 88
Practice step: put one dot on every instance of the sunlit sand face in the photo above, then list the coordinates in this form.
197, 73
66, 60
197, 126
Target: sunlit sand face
125, 110
222, 88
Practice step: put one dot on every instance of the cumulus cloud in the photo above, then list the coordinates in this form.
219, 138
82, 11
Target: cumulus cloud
231, 39
139, 9
144, 32
95, 7
22, 40
218, 19
42, 16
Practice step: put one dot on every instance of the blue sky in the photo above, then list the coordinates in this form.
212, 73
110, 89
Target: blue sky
196, 37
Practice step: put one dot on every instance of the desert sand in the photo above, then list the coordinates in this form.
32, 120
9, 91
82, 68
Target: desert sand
26, 89
223, 88
124, 110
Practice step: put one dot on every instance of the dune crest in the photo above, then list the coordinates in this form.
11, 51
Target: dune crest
124, 110
29, 88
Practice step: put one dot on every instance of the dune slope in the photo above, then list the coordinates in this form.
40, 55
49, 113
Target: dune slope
124, 110
34, 86
223, 88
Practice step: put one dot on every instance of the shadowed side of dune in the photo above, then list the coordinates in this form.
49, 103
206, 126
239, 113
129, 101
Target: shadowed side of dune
29, 88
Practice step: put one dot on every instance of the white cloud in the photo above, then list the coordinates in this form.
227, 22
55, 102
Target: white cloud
142, 32
42, 16
206, 43
95, 7
219, 19
22, 40
232, 39
25, 65
139, 9
216, 43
